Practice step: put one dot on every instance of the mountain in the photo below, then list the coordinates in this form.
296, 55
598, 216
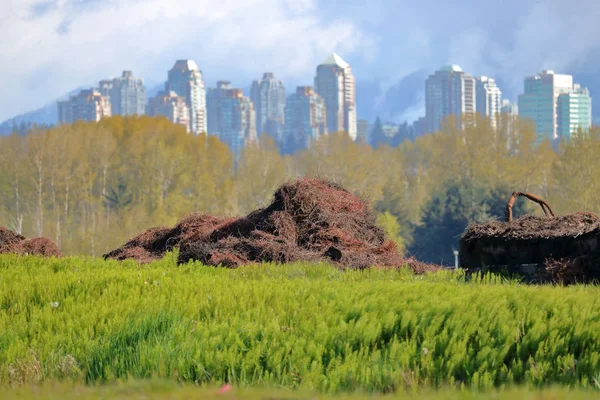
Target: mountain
401, 101
367, 94
48, 114
405, 100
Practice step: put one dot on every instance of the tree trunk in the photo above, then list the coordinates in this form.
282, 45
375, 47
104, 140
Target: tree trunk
40, 196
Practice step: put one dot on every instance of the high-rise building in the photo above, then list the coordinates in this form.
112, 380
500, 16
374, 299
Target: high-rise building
231, 116
574, 112
509, 108
213, 106
89, 105
268, 97
127, 94
362, 130
172, 106
419, 127
539, 102
105, 88
65, 112
449, 91
335, 84
305, 119
488, 99
469, 99
185, 79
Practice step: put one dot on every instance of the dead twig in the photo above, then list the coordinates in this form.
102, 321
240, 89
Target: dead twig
545, 206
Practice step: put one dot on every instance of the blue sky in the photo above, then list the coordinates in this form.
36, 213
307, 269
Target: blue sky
52, 46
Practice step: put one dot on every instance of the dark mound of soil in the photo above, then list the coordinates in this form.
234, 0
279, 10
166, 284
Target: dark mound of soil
11, 242
308, 220
563, 249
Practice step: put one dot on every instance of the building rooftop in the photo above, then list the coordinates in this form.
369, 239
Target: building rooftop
578, 89
189, 65
224, 85
451, 68
335, 59
304, 90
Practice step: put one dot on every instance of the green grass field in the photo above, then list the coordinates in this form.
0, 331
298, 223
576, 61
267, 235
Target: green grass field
80, 323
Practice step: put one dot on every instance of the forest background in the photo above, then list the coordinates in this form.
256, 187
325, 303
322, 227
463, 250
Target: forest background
91, 186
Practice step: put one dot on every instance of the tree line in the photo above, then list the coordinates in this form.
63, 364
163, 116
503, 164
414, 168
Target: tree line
91, 186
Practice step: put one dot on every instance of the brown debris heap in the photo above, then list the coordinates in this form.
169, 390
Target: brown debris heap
11, 242
308, 220
562, 249
155, 242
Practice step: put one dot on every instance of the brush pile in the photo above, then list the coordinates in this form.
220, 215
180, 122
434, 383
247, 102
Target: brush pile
308, 220
11, 242
563, 249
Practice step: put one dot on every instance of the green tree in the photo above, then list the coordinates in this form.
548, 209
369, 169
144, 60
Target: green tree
450, 211
576, 172
378, 138
390, 225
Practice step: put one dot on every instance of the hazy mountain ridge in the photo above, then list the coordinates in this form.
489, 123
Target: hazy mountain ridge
48, 114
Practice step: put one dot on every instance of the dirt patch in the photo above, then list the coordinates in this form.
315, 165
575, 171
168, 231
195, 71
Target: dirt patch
11, 242
557, 249
308, 220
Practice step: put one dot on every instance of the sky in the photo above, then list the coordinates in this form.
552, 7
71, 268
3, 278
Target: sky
50, 47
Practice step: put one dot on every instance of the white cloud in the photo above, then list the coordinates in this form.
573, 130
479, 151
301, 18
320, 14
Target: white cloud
57, 45
558, 35
561, 35
384, 40
467, 49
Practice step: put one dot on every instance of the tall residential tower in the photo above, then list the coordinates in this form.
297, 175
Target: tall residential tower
574, 112
89, 105
171, 106
185, 79
268, 97
335, 84
305, 119
488, 99
449, 91
540, 100
127, 94
231, 116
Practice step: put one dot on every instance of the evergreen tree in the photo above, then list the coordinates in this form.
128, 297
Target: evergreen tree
378, 138
450, 211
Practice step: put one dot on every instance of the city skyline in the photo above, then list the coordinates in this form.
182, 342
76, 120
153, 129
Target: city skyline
475, 85
53, 46
239, 119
